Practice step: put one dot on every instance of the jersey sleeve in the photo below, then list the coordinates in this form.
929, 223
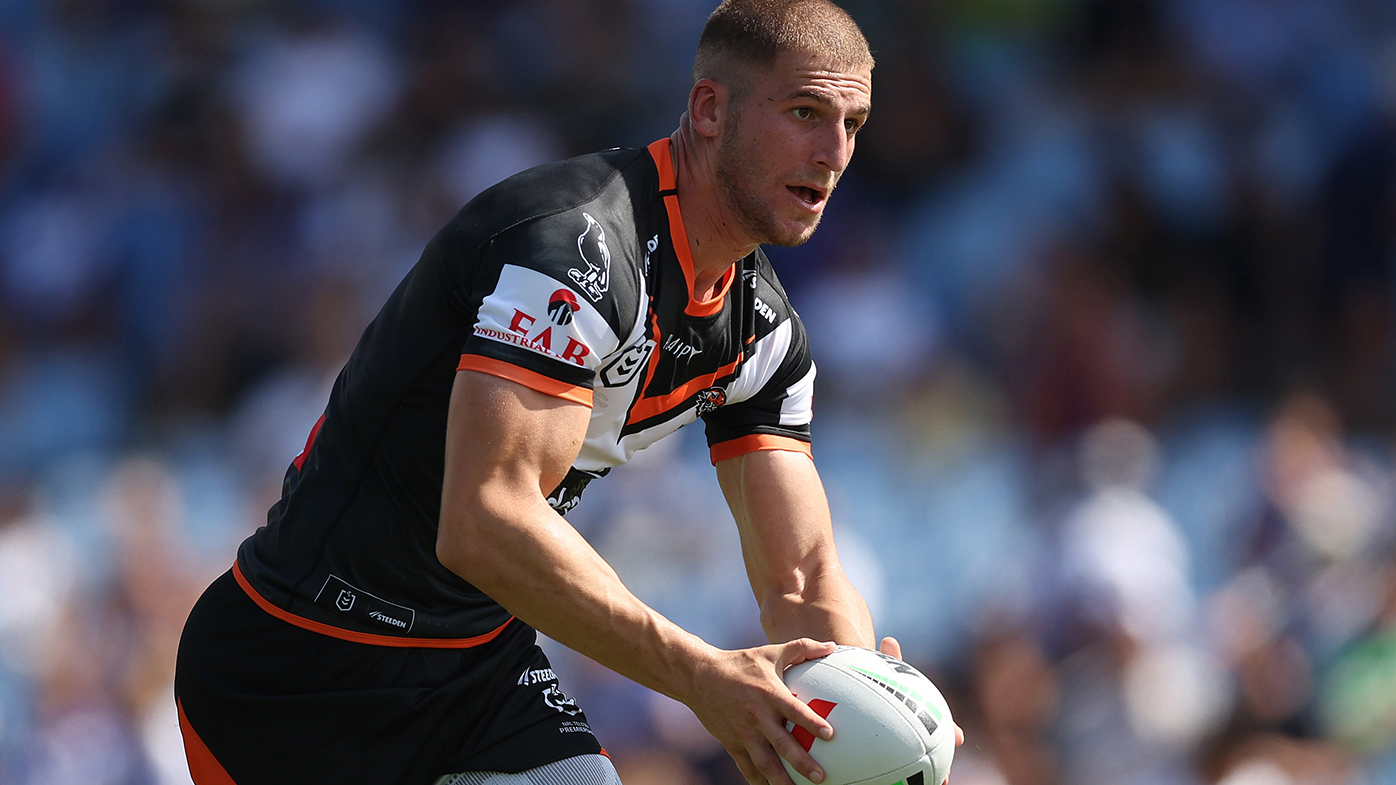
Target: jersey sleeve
541, 324
772, 399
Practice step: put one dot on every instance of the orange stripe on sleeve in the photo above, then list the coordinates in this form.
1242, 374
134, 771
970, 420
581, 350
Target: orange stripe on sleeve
530, 379
204, 769
363, 637
299, 460
757, 442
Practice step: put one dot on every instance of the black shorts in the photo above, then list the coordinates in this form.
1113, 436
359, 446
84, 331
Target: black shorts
273, 703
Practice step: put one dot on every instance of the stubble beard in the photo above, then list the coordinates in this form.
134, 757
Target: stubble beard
758, 218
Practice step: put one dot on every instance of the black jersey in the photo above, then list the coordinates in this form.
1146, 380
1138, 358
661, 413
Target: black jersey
573, 279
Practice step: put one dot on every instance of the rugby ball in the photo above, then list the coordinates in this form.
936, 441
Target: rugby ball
891, 725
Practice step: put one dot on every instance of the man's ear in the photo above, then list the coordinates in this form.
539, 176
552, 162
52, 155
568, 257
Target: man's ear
707, 107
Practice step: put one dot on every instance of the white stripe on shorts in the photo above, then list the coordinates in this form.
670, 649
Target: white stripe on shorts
579, 770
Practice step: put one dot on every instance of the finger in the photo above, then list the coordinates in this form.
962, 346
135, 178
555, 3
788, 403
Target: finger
802, 649
959, 735
891, 646
744, 764
770, 766
800, 713
792, 750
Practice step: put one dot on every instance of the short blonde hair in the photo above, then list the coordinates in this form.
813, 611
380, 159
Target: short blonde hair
744, 35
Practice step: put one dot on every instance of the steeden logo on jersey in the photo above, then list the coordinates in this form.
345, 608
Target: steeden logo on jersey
536, 676
765, 310
343, 597
650, 247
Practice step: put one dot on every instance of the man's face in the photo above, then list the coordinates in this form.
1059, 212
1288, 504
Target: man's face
787, 142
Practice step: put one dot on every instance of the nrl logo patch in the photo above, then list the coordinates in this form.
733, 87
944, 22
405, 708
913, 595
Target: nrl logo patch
621, 370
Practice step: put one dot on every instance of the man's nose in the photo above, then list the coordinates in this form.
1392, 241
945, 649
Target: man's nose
834, 148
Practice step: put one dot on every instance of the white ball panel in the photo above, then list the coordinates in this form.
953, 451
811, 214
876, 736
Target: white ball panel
876, 732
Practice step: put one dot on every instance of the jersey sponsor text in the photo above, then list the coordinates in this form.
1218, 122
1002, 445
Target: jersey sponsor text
536, 676
765, 310
679, 349
541, 342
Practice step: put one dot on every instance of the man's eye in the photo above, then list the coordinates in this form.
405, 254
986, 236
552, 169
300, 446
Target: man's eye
804, 113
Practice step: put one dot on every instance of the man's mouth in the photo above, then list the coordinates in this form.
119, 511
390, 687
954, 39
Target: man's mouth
812, 197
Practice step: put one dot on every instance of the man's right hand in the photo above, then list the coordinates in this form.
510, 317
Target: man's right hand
740, 698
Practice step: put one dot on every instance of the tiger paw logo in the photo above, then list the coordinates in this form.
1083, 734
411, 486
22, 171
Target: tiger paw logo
710, 399
595, 278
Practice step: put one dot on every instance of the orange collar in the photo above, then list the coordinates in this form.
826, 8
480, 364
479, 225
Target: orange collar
663, 160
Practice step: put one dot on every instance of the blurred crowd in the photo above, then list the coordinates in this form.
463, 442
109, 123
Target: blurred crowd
1103, 313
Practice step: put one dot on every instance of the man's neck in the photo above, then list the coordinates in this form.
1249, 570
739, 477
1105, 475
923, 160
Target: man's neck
715, 239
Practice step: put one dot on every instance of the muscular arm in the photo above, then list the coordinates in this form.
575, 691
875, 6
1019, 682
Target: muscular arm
506, 447
778, 502
787, 537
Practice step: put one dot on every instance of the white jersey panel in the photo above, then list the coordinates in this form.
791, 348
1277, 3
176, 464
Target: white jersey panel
766, 356
537, 312
617, 379
798, 406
